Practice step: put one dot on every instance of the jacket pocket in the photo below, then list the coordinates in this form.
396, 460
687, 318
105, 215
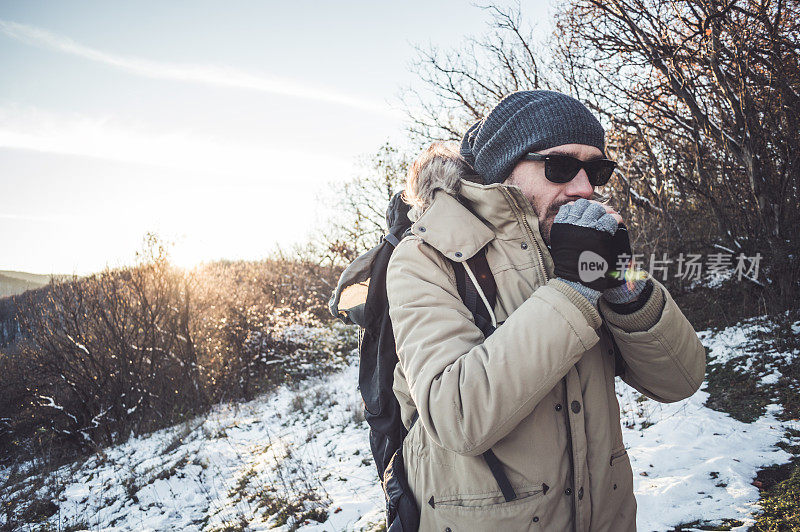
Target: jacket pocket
616, 454
494, 498
487, 511
621, 502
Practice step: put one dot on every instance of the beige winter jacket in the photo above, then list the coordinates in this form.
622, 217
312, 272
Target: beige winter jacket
539, 391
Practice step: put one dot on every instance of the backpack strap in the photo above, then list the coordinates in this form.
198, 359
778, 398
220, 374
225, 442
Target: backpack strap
393, 240
483, 319
499, 475
469, 292
480, 266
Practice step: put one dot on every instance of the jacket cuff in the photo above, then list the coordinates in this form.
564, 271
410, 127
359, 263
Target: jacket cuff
640, 320
579, 300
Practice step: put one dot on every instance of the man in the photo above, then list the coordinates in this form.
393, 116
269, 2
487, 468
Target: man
539, 390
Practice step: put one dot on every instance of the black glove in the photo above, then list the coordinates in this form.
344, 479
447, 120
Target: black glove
587, 255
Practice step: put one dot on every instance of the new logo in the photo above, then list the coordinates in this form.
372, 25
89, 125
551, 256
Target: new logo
591, 266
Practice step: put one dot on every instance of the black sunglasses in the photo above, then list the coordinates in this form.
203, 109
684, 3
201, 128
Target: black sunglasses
563, 168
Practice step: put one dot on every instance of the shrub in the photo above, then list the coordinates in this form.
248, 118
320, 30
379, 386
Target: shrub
130, 350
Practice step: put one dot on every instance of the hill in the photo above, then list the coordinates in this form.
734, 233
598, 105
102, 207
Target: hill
13, 283
298, 459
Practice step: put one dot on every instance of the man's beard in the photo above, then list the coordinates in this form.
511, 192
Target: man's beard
546, 223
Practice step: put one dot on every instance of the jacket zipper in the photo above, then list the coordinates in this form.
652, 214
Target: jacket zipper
571, 459
520, 214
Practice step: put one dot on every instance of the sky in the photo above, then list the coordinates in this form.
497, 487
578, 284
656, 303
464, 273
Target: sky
219, 126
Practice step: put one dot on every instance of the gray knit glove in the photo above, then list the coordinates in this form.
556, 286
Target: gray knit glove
622, 294
585, 213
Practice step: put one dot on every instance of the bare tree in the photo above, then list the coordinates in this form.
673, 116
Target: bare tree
458, 92
699, 99
359, 220
463, 84
705, 99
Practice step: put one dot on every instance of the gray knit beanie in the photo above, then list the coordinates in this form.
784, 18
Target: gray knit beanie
523, 122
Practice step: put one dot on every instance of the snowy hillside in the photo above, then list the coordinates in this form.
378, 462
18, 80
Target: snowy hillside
299, 458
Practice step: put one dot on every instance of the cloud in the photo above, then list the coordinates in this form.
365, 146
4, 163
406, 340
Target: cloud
30, 128
191, 73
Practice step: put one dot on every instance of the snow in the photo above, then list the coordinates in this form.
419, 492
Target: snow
714, 279
78, 344
723, 248
51, 403
643, 200
699, 463
732, 342
690, 462
177, 477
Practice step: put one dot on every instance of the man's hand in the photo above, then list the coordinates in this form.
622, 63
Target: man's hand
581, 238
630, 289
609, 210
585, 244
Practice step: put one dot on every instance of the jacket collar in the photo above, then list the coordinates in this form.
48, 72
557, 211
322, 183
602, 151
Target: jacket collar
451, 228
500, 206
458, 227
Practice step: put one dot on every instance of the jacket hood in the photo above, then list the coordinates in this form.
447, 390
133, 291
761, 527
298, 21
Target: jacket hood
438, 173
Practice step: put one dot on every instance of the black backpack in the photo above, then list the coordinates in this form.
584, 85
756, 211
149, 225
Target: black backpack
360, 299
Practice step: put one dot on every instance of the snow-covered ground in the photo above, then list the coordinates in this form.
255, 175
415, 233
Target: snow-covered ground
304, 450
304, 445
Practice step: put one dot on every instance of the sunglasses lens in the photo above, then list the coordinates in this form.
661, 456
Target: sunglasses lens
600, 173
560, 169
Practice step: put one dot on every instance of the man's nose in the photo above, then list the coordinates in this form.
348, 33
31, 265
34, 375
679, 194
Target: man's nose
579, 186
